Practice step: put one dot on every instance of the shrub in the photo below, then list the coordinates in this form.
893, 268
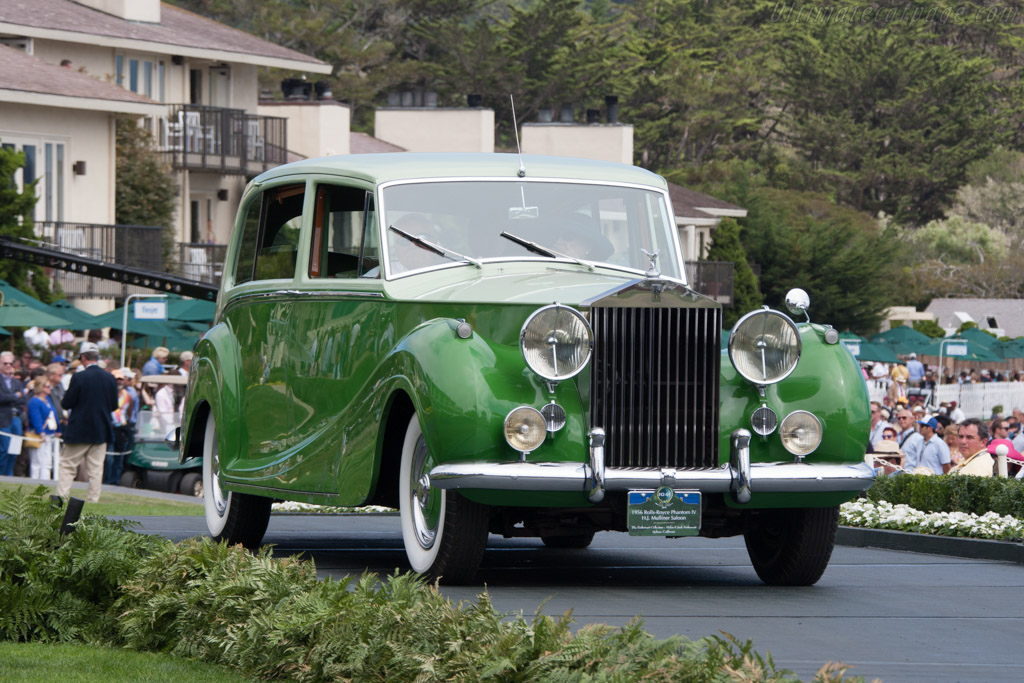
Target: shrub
273, 619
952, 494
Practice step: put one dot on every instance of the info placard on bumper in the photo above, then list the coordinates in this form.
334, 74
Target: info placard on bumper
663, 512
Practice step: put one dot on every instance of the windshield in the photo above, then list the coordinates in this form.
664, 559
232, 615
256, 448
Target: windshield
478, 220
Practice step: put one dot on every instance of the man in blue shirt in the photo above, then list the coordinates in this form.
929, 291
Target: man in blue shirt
935, 452
911, 442
916, 370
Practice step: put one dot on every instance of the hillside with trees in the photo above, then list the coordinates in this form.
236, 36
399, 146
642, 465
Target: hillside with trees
877, 145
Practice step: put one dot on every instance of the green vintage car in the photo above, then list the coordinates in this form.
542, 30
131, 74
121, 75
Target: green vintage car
507, 345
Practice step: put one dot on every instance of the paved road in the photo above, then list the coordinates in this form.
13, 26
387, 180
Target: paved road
893, 615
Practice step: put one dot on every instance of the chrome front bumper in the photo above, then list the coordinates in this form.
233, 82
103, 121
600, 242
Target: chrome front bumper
740, 477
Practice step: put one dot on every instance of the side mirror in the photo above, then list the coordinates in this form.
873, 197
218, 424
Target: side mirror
797, 301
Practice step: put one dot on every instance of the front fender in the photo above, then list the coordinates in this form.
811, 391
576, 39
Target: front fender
215, 380
826, 383
463, 389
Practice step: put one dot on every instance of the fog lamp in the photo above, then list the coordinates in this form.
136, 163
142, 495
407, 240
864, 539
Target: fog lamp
525, 429
800, 433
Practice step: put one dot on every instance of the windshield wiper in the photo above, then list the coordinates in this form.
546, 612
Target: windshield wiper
547, 252
436, 248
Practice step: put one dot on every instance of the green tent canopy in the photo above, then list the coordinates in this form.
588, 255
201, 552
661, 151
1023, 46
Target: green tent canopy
975, 351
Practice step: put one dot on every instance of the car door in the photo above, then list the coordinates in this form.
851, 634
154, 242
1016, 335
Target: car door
341, 321
259, 314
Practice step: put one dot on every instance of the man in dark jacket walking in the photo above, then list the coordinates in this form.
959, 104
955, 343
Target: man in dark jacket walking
91, 397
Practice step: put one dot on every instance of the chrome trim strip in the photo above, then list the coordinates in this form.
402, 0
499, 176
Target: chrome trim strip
292, 293
236, 485
785, 477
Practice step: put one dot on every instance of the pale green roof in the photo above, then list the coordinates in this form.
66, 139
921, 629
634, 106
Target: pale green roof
380, 168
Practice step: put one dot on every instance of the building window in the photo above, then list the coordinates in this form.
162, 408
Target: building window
44, 165
142, 76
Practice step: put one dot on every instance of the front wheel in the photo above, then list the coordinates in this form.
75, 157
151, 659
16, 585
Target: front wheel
792, 547
230, 516
444, 533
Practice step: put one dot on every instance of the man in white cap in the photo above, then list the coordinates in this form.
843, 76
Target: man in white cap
915, 368
91, 397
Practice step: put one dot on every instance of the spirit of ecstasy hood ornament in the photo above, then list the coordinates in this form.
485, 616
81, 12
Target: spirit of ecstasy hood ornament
652, 273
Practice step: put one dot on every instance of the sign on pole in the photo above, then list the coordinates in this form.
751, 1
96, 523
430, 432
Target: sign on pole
151, 310
956, 349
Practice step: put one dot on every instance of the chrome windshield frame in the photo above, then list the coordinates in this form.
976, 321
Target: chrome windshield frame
382, 210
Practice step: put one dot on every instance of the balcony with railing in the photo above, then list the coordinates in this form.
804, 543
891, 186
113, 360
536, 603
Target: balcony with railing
202, 262
713, 279
229, 141
136, 246
131, 245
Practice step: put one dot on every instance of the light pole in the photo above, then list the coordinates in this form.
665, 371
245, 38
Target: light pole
942, 345
124, 326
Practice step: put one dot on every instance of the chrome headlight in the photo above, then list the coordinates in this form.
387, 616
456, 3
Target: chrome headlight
556, 342
800, 433
525, 429
764, 346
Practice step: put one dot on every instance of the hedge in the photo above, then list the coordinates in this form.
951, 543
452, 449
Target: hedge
952, 494
273, 619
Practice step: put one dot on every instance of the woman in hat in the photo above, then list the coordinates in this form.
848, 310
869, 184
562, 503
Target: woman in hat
887, 458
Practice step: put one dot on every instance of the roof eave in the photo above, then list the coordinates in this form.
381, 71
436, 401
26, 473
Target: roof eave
167, 48
693, 220
83, 103
730, 213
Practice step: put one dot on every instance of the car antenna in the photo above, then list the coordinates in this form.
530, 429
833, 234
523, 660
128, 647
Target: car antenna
515, 129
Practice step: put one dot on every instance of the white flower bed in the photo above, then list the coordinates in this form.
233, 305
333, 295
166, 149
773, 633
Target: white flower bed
291, 506
883, 515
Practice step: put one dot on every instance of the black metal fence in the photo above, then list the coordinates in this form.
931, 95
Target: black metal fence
229, 141
202, 262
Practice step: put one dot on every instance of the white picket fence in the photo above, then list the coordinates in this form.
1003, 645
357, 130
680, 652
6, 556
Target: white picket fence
976, 400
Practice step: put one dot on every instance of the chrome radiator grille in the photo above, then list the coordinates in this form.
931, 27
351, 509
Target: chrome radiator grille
654, 385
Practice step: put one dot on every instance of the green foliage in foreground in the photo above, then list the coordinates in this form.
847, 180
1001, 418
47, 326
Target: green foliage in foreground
271, 618
129, 505
45, 662
952, 494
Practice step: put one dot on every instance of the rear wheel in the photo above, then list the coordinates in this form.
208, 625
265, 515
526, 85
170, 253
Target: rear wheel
573, 541
191, 485
792, 547
131, 480
230, 516
444, 533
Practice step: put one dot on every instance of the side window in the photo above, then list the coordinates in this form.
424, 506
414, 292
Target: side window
246, 255
369, 266
339, 220
279, 237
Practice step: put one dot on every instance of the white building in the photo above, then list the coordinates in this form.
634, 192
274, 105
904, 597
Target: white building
193, 82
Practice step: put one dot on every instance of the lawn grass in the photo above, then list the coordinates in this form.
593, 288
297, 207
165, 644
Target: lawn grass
126, 505
45, 662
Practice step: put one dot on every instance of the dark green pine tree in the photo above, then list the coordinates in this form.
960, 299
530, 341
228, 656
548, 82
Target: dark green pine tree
145, 189
16, 221
726, 246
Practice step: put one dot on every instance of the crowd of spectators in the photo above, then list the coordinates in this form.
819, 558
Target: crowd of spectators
74, 417
911, 373
905, 439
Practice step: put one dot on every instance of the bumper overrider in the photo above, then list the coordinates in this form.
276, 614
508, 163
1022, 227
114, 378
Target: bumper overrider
739, 477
